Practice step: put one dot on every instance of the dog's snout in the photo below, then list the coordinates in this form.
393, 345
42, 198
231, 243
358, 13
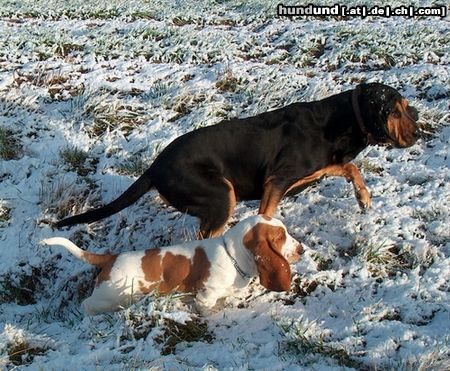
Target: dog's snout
413, 113
293, 250
299, 248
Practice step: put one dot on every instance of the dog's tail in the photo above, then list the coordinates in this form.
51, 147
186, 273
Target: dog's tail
130, 196
98, 260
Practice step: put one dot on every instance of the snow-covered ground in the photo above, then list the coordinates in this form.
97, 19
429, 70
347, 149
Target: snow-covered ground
92, 91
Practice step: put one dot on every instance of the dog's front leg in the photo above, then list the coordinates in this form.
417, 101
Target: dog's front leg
352, 174
203, 310
207, 299
272, 195
349, 171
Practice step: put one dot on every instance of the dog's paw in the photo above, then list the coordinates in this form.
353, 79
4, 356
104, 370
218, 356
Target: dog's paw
203, 310
364, 199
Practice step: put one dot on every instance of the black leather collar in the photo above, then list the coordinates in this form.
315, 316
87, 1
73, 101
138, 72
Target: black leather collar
235, 263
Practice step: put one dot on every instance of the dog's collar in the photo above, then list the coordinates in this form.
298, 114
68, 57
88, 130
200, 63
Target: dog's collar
235, 263
355, 103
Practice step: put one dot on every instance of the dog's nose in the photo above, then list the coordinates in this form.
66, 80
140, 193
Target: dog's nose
415, 134
413, 113
299, 248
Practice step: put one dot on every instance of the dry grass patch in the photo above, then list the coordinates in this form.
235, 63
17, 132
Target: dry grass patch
10, 147
383, 260
5, 212
116, 116
22, 353
78, 160
305, 339
18, 348
228, 83
62, 198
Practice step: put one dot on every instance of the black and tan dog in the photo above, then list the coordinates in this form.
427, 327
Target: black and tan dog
270, 155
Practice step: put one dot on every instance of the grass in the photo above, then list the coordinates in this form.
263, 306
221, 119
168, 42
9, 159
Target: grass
80, 104
159, 89
10, 147
368, 166
429, 215
153, 34
310, 52
22, 353
5, 212
134, 165
183, 103
382, 259
23, 287
77, 160
323, 263
303, 287
281, 70
228, 83
62, 198
116, 116
153, 313
175, 333
301, 340
19, 348
368, 48
41, 77
17, 289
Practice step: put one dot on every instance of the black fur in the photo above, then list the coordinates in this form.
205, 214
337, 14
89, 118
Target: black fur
285, 144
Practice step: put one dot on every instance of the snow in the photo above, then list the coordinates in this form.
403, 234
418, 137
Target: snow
120, 80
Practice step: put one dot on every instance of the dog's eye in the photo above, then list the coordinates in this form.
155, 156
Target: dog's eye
396, 113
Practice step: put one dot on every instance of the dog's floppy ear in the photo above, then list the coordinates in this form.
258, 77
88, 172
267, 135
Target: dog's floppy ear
265, 242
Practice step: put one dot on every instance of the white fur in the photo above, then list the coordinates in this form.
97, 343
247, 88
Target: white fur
126, 273
69, 245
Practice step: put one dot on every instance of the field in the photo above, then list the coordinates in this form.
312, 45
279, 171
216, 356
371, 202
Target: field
92, 91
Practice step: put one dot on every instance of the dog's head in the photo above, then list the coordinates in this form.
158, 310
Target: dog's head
387, 116
273, 249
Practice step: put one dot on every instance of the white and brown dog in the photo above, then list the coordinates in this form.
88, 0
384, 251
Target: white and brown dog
210, 268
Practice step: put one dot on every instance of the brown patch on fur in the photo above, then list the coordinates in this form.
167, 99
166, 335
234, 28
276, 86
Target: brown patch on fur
99, 260
174, 272
175, 269
105, 273
349, 171
146, 289
401, 126
270, 199
103, 261
199, 273
151, 266
265, 242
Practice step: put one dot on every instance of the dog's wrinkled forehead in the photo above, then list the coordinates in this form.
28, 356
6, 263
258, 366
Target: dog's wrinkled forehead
263, 226
383, 96
264, 219
271, 221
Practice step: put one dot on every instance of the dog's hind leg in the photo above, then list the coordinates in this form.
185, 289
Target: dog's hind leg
209, 197
222, 205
